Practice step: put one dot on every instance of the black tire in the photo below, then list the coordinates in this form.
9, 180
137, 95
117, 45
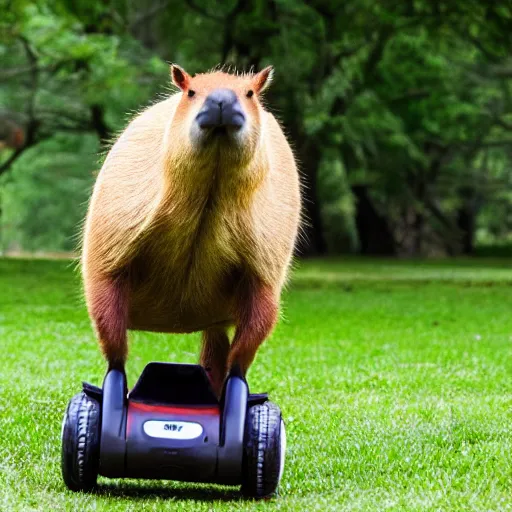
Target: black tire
81, 443
264, 450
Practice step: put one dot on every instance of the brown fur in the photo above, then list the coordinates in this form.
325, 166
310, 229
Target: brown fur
181, 240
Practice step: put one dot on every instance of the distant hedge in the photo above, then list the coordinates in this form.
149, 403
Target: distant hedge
494, 251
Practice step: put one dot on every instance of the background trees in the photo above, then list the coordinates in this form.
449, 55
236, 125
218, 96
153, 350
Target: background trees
400, 112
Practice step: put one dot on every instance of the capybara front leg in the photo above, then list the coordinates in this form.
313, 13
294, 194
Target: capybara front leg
108, 306
214, 356
257, 315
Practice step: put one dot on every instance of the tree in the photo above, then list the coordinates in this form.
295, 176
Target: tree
400, 113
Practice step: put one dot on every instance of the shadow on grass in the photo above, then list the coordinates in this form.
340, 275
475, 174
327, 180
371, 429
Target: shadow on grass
135, 491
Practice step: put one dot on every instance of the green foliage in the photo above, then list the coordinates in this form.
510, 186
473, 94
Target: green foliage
412, 100
337, 205
44, 198
80, 69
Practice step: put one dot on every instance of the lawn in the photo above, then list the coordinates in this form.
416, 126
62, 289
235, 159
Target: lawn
395, 380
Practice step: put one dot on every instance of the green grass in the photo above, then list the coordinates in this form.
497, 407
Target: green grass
395, 379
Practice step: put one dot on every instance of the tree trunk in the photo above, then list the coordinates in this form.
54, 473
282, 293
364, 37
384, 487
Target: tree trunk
98, 123
466, 218
313, 242
466, 223
375, 236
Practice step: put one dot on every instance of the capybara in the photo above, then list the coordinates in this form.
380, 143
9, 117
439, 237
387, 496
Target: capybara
193, 221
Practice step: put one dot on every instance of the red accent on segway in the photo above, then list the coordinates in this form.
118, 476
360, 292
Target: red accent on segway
136, 409
172, 411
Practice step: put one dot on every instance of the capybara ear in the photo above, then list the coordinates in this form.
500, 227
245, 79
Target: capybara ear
180, 78
262, 79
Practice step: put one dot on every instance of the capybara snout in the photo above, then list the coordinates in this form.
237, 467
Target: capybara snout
221, 109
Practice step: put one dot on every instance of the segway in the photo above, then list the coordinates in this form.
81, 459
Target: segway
171, 426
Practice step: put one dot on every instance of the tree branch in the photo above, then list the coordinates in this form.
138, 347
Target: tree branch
34, 73
33, 124
410, 95
148, 15
504, 124
195, 7
14, 156
9, 74
501, 71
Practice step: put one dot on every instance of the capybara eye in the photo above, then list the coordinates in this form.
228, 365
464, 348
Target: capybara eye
250, 94
191, 93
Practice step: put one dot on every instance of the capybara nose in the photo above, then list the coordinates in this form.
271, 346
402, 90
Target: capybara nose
221, 108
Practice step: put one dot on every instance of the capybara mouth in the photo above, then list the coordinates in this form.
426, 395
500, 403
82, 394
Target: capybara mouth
219, 131
220, 134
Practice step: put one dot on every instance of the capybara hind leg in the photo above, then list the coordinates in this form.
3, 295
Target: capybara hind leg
108, 307
257, 315
214, 356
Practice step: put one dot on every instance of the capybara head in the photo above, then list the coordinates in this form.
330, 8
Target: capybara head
220, 112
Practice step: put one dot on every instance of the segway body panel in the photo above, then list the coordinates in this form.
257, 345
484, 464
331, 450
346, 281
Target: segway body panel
171, 426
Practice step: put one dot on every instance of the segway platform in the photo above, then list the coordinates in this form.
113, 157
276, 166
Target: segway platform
171, 426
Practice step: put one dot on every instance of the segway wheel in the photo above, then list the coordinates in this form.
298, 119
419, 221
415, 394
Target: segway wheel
264, 451
81, 443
